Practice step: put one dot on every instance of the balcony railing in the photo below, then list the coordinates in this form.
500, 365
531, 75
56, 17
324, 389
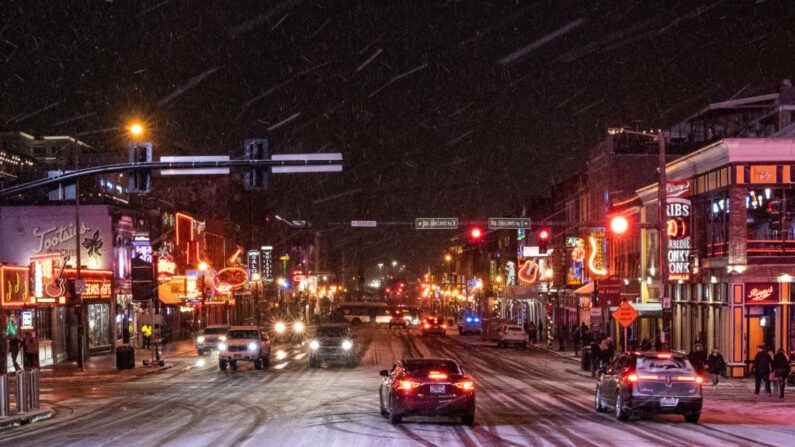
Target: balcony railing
757, 247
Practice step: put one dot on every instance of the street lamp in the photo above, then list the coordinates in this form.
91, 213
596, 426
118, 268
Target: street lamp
136, 129
203, 268
380, 273
394, 264
662, 205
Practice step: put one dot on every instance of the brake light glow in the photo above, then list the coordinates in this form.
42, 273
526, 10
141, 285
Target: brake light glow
444, 326
632, 378
647, 377
407, 385
697, 379
466, 385
700, 379
663, 356
436, 375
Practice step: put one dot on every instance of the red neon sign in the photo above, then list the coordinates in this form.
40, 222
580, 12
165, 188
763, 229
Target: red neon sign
761, 293
229, 279
528, 273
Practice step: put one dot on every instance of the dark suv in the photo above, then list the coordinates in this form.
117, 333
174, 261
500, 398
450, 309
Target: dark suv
651, 382
332, 343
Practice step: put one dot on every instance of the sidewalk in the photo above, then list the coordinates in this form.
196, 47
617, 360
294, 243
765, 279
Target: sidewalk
26, 418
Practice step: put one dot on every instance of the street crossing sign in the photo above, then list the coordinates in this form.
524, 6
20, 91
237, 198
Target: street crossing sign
509, 223
364, 223
625, 314
436, 223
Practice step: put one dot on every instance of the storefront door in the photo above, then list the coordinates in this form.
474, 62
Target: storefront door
761, 328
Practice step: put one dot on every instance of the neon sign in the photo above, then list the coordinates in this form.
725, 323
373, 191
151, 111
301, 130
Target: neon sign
229, 279
528, 273
14, 285
678, 230
596, 261
761, 293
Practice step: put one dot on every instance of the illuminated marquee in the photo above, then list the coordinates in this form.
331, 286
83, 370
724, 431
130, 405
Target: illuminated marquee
14, 286
229, 279
678, 230
761, 293
596, 258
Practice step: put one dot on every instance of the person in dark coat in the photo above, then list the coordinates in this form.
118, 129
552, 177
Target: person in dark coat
30, 346
781, 370
645, 344
531, 332
14, 346
716, 365
761, 367
576, 339
658, 343
561, 335
596, 355
698, 357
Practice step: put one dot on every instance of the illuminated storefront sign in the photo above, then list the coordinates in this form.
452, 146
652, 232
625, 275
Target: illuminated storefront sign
166, 268
575, 274
761, 293
678, 230
96, 289
528, 273
597, 256
229, 279
254, 261
27, 320
267, 262
14, 286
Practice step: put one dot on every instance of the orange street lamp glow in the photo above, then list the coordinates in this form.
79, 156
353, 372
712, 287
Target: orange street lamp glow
136, 129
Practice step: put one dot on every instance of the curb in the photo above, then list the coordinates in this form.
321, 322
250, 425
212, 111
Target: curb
158, 369
26, 418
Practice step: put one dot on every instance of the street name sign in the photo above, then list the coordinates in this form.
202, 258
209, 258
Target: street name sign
364, 223
436, 223
509, 223
334, 159
625, 314
197, 171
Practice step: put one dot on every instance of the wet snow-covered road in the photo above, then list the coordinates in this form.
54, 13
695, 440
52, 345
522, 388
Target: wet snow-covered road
524, 398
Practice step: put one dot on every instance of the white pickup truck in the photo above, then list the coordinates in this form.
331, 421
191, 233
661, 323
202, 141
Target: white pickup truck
512, 334
244, 343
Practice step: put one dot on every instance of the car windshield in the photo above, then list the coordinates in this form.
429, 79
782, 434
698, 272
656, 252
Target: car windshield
656, 364
239, 335
515, 328
331, 332
215, 330
423, 367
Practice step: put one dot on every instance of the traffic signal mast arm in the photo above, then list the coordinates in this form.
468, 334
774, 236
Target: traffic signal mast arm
333, 160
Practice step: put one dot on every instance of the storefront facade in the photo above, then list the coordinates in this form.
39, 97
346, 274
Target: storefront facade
732, 290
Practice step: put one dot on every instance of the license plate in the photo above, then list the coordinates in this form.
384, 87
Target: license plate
237, 356
668, 401
437, 389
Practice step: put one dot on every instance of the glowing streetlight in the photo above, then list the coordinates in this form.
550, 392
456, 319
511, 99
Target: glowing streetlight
203, 266
448, 257
394, 263
136, 129
619, 225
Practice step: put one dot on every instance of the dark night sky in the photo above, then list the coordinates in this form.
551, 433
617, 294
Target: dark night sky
459, 108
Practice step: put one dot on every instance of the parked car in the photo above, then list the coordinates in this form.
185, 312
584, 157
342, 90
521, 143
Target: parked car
207, 340
433, 326
429, 387
650, 382
512, 334
333, 343
244, 343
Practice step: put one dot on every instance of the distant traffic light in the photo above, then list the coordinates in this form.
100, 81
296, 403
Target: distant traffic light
475, 234
256, 179
543, 239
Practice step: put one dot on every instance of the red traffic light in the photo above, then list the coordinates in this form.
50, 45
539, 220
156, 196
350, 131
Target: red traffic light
619, 225
543, 235
475, 233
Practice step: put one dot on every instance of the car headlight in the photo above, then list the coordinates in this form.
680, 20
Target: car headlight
279, 327
200, 339
347, 345
252, 346
222, 338
222, 346
298, 327
314, 344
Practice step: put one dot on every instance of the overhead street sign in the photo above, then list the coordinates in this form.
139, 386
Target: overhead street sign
364, 223
334, 160
436, 223
194, 158
625, 314
509, 223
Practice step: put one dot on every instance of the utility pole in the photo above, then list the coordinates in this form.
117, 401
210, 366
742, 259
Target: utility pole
662, 194
78, 298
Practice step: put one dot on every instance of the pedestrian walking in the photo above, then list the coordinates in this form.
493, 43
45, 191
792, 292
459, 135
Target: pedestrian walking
645, 344
30, 347
762, 367
606, 353
781, 370
14, 346
658, 342
576, 339
596, 354
540, 336
561, 338
146, 333
698, 357
531, 332
716, 365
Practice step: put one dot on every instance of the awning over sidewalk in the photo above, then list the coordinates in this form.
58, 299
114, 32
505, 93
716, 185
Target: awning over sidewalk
169, 299
585, 290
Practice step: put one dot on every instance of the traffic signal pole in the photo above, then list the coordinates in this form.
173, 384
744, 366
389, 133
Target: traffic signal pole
662, 194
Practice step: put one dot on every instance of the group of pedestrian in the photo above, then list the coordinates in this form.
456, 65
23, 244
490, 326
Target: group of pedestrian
770, 368
579, 336
29, 345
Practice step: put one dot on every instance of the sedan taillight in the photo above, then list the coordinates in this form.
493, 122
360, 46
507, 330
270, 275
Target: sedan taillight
466, 385
407, 385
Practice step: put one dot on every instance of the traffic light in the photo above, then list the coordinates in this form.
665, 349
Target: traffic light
256, 179
475, 234
140, 179
619, 225
543, 239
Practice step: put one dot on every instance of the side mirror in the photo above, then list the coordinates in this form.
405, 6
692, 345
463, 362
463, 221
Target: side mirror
384, 373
